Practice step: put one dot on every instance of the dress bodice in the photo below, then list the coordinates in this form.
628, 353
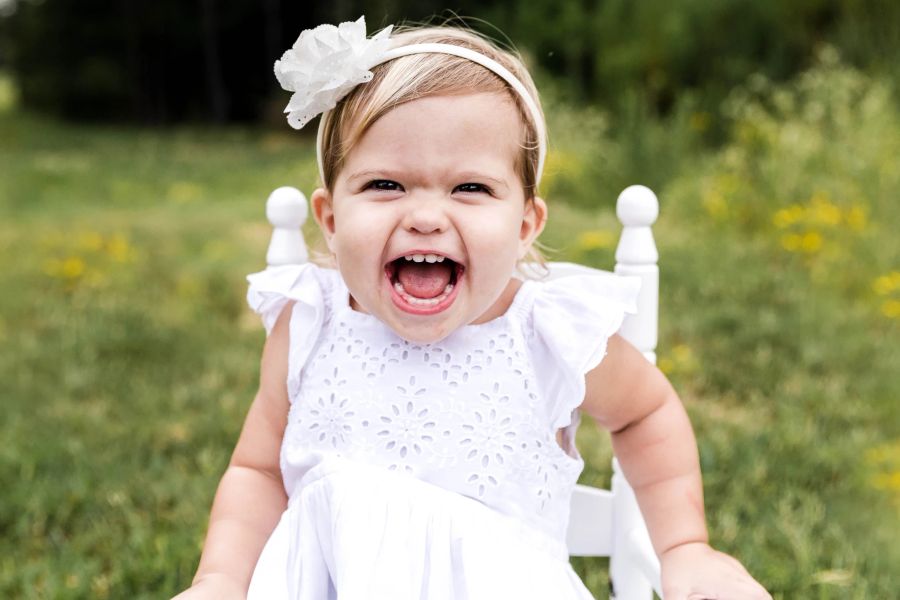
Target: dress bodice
476, 413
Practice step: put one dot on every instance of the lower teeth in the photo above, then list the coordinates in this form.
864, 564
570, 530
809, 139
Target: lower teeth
423, 301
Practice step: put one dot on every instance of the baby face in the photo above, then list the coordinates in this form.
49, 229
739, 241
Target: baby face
428, 216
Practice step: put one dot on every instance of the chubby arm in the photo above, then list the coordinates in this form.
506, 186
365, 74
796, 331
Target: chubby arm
653, 441
655, 445
250, 497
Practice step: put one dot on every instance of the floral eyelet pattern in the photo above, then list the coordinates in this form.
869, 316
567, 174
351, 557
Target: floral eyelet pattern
464, 414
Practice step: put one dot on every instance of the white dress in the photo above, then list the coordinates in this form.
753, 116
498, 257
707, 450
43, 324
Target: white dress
430, 471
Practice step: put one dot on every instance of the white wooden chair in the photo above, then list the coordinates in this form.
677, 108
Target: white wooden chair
602, 522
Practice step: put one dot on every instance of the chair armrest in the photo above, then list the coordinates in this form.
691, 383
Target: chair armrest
590, 530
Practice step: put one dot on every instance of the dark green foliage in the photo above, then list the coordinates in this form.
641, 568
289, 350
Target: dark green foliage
169, 60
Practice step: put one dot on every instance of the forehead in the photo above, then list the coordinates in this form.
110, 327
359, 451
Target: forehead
482, 130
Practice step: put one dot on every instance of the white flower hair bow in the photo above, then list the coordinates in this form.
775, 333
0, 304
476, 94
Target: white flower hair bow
325, 63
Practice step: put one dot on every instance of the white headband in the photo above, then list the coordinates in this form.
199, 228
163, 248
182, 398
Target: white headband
327, 62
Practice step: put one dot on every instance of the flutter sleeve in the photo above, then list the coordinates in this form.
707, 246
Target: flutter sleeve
308, 287
573, 318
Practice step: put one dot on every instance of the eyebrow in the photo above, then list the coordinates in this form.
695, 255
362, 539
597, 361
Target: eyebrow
372, 174
465, 175
476, 176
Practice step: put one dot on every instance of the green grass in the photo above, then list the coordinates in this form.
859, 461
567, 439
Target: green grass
128, 357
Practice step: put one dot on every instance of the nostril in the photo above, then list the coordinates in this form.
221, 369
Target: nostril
426, 219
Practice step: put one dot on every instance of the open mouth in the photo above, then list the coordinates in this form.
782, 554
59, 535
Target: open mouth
423, 283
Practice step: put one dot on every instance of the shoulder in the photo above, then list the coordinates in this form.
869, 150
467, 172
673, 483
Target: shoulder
270, 290
574, 315
579, 287
568, 324
274, 359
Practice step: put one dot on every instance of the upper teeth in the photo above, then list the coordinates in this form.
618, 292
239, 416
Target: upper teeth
424, 257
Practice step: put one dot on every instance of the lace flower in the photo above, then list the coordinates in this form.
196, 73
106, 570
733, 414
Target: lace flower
325, 63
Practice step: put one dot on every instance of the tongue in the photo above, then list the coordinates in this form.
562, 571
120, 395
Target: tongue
423, 280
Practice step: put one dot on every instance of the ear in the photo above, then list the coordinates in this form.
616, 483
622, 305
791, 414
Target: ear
533, 222
323, 213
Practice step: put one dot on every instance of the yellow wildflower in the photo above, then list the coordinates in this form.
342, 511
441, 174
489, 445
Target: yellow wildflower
72, 267
595, 239
811, 242
857, 217
824, 211
887, 481
682, 353
788, 216
666, 365
90, 240
682, 360
884, 468
891, 309
886, 284
557, 164
878, 454
714, 203
119, 249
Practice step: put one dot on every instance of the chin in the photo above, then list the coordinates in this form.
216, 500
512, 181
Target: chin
423, 333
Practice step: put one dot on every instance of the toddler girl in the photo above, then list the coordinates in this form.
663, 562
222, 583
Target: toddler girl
412, 436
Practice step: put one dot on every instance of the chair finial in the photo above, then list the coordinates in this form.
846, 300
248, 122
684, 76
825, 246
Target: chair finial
286, 207
286, 210
637, 206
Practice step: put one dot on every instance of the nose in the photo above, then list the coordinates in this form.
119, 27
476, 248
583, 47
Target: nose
425, 215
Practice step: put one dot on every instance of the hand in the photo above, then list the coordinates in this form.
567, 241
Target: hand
214, 586
694, 571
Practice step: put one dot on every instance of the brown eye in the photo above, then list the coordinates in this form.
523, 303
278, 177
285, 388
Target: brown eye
384, 185
472, 188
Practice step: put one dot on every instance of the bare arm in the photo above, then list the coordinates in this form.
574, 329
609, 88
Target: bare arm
654, 442
250, 497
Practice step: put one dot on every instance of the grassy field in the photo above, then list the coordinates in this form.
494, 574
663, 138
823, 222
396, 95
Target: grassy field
128, 357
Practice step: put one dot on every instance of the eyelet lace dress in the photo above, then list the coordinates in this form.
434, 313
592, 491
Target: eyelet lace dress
430, 471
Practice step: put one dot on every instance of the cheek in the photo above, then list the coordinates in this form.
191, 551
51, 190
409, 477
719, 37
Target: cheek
354, 228
359, 243
499, 241
512, 228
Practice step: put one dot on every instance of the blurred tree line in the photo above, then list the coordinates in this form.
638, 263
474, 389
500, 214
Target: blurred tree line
163, 61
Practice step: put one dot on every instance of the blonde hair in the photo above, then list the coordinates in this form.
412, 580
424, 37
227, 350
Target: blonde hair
420, 75
415, 76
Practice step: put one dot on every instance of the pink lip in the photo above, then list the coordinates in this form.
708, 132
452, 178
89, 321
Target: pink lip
415, 309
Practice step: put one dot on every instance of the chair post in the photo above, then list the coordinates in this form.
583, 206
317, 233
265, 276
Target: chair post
634, 567
286, 210
636, 254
